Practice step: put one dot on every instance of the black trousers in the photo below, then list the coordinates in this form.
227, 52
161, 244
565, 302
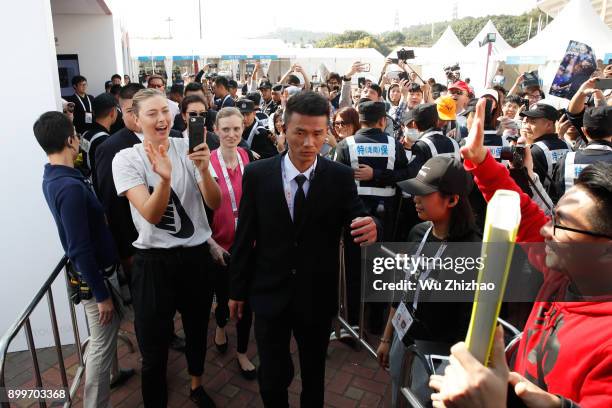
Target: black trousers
275, 373
243, 326
164, 281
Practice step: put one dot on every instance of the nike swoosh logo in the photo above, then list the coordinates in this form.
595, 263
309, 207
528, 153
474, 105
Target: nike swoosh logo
168, 223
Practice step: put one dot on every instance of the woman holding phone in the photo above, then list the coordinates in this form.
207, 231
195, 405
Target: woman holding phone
165, 186
228, 161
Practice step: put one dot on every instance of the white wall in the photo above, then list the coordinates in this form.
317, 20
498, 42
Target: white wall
29, 244
94, 39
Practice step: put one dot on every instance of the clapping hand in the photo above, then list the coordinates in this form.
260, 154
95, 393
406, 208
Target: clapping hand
159, 160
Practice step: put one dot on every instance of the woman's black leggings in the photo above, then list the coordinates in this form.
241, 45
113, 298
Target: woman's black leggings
243, 326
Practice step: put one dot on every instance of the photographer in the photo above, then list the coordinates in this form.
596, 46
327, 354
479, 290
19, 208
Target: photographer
564, 354
546, 147
171, 271
88, 243
597, 127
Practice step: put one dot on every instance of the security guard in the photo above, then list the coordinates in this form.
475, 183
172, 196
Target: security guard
83, 105
546, 147
493, 141
432, 141
379, 162
258, 138
105, 114
268, 106
597, 127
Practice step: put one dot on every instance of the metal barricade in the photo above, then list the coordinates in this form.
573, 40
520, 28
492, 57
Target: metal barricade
410, 399
23, 322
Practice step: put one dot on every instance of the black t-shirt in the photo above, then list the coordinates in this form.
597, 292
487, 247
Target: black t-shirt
443, 322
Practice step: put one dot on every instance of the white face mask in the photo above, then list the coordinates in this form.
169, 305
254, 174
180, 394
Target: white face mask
411, 134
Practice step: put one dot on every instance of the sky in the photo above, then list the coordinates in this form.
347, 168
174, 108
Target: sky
248, 19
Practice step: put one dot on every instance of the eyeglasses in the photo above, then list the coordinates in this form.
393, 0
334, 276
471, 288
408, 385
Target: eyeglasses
557, 226
196, 114
339, 123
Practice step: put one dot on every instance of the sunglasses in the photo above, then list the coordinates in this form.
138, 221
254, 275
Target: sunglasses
557, 226
196, 114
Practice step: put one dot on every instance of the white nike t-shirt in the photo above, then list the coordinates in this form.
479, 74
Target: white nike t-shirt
184, 224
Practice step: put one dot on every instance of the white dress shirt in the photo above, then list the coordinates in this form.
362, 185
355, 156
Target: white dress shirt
289, 175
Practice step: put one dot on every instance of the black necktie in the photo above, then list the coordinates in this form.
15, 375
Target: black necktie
299, 200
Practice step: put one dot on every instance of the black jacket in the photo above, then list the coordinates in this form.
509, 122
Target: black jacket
117, 208
273, 260
79, 113
261, 143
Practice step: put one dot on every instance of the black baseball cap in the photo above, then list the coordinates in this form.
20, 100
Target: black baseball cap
370, 111
599, 118
232, 84
440, 173
423, 113
542, 110
278, 88
265, 85
245, 105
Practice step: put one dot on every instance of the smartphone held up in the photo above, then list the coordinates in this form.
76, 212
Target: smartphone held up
197, 134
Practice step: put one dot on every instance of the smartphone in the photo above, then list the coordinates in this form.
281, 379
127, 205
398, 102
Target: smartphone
526, 103
394, 60
212, 66
365, 67
196, 132
603, 83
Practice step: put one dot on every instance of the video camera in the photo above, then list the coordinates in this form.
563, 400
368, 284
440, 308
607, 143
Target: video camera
514, 154
530, 79
403, 55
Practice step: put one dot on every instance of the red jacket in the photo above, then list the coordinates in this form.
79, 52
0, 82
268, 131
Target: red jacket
566, 348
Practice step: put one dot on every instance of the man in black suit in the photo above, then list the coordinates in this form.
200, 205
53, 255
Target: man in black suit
285, 255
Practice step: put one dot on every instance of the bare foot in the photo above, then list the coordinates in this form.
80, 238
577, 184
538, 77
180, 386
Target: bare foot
220, 335
244, 362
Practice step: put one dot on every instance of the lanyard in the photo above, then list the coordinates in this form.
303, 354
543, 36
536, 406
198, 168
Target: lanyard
228, 182
423, 277
82, 103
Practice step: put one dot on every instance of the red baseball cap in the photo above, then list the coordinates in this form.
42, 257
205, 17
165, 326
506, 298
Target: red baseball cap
461, 85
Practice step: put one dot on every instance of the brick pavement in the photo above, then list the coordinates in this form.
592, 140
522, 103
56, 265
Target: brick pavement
352, 379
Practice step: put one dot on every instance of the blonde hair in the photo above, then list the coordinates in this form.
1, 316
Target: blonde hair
226, 113
143, 95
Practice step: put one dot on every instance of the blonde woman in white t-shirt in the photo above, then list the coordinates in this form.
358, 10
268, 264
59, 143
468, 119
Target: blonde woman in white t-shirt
165, 186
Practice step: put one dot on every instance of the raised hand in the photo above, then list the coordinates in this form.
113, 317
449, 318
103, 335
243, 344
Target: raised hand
159, 160
474, 149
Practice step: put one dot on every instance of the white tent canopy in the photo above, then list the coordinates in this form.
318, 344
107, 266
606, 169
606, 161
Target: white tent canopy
474, 63
448, 50
578, 22
500, 45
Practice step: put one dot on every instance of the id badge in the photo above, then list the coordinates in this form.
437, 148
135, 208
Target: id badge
402, 320
88, 117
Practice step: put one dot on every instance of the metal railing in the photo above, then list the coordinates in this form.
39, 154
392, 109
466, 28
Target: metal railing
358, 334
23, 322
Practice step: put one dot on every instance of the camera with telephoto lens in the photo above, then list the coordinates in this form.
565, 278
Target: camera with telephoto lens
404, 55
514, 154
